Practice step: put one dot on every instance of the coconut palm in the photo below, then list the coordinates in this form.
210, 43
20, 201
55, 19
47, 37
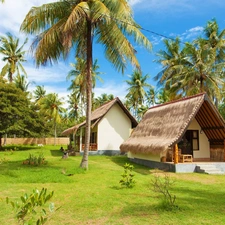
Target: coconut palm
52, 106
78, 84
215, 39
202, 73
136, 91
39, 93
20, 82
173, 61
103, 98
13, 55
63, 24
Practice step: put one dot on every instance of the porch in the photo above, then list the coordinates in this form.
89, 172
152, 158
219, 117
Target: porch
185, 167
92, 147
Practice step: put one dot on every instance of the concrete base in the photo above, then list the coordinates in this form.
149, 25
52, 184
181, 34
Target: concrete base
104, 152
177, 168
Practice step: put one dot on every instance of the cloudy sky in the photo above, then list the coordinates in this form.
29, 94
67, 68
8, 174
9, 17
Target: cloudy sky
170, 18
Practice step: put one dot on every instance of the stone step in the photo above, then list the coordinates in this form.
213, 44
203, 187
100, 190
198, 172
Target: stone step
208, 169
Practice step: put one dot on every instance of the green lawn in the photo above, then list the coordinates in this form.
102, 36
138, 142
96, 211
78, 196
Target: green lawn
96, 197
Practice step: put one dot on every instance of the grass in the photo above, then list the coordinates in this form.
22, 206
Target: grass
96, 197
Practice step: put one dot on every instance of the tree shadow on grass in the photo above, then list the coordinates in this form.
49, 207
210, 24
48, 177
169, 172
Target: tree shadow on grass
56, 153
122, 160
19, 148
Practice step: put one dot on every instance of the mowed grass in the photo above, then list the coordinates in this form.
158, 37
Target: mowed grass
96, 197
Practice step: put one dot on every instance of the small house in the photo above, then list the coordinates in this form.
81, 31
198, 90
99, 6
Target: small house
186, 131
111, 125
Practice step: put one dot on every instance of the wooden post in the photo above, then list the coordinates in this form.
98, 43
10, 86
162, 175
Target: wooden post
175, 152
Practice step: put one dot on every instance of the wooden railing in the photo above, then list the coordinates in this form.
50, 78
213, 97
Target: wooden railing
92, 147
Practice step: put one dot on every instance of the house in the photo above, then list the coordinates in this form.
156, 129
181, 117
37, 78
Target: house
111, 126
184, 131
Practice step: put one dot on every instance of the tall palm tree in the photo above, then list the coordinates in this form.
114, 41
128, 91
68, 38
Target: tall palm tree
13, 55
173, 61
20, 82
103, 98
202, 73
52, 107
39, 93
215, 39
136, 91
78, 84
66, 23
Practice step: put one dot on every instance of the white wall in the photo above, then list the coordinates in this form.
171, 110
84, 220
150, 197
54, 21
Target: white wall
204, 147
113, 129
144, 156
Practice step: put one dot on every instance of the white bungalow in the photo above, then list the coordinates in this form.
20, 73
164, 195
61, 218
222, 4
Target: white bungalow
184, 131
111, 126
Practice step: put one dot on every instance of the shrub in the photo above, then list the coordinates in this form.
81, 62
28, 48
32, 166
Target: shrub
31, 208
35, 160
128, 176
163, 186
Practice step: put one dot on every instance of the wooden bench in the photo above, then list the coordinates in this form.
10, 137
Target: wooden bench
186, 158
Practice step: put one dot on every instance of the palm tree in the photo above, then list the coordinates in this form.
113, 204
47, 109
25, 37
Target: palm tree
20, 82
173, 61
13, 55
136, 90
215, 39
103, 98
79, 73
202, 73
39, 93
67, 23
52, 107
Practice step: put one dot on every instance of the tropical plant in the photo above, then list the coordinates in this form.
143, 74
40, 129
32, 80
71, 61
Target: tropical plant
52, 106
20, 82
39, 93
136, 91
32, 208
17, 115
63, 24
103, 98
197, 67
128, 176
13, 55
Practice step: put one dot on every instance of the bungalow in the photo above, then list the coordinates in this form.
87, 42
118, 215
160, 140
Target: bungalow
185, 131
111, 126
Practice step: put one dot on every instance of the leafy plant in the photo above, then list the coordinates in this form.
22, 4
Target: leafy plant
31, 208
128, 176
163, 186
35, 160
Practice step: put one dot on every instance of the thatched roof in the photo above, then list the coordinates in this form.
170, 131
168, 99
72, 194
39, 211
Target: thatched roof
164, 125
99, 113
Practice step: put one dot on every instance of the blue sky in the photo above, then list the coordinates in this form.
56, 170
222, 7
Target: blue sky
171, 18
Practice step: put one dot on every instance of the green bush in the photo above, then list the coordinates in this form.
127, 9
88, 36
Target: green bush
162, 185
31, 209
128, 176
35, 160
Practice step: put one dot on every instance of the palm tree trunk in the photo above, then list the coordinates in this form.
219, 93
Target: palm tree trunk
55, 134
84, 162
0, 141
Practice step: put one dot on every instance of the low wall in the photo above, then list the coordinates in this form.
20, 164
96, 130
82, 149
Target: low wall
35, 141
103, 152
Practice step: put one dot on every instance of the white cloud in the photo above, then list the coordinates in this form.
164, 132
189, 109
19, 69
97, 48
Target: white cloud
109, 88
192, 33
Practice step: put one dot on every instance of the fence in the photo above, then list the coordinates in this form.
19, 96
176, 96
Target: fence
36, 141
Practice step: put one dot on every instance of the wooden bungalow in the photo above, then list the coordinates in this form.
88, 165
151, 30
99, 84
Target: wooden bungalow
182, 131
111, 126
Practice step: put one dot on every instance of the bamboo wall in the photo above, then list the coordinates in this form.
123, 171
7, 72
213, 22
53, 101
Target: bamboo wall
35, 141
217, 154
